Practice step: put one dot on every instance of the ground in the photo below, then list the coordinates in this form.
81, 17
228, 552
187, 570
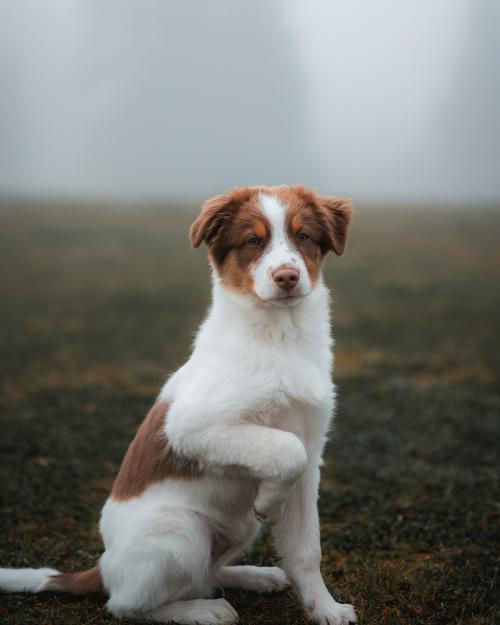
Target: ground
99, 304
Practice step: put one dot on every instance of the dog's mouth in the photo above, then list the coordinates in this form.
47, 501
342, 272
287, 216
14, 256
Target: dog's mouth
287, 299
281, 298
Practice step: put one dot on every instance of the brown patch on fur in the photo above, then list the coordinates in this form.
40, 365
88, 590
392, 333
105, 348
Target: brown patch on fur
297, 224
226, 224
150, 459
260, 230
238, 256
217, 213
235, 275
332, 214
324, 219
302, 217
83, 583
327, 217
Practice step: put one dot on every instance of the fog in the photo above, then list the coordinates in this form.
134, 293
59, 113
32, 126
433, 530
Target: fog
153, 99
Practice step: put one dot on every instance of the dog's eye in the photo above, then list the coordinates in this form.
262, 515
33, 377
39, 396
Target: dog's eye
303, 236
254, 241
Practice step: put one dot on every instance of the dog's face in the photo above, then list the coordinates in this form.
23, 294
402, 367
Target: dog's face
269, 243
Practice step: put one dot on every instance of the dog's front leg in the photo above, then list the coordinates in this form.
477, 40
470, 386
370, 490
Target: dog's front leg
297, 539
274, 457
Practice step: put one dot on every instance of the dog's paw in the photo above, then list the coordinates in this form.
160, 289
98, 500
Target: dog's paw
332, 613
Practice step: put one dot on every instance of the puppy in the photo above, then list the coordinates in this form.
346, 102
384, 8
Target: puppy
236, 435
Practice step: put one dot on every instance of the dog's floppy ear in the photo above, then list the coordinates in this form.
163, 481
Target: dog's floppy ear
210, 220
215, 214
338, 214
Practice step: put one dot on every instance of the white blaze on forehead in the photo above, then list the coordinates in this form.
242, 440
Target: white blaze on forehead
275, 211
279, 252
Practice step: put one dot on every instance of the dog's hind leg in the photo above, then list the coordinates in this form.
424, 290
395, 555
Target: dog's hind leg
163, 571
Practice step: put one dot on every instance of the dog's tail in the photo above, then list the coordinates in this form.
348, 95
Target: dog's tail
50, 580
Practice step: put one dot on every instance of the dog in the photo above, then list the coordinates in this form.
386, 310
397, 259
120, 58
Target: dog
236, 435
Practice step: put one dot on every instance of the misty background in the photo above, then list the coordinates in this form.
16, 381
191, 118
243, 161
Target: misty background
153, 99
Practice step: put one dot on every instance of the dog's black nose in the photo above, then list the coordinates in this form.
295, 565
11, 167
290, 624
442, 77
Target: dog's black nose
286, 278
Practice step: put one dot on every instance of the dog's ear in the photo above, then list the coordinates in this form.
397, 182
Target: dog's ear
334, 215
215, 214
338, 214
210, 220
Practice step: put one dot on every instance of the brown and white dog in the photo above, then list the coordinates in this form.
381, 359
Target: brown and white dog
236, 436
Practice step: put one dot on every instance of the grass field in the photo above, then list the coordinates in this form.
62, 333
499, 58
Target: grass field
98, 305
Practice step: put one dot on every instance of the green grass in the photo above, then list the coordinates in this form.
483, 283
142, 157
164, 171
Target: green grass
99, 304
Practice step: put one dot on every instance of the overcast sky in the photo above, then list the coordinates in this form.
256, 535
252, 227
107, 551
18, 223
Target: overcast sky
132, 99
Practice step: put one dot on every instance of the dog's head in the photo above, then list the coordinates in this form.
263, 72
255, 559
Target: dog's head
270, 242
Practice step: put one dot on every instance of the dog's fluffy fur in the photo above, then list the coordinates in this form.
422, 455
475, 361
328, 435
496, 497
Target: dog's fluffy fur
236, 435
